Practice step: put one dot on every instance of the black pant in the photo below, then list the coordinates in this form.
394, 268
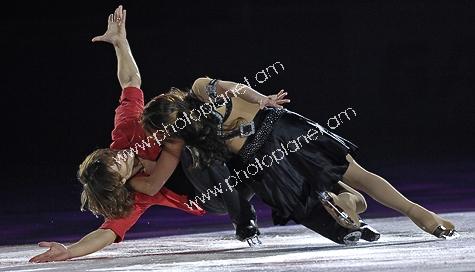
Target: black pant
212, 193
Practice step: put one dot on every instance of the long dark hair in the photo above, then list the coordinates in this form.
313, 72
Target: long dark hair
199, 133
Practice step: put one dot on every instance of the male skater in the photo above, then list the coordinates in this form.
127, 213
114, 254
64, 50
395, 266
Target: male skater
128, 133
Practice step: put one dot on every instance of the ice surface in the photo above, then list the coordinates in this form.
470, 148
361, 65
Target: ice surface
402, 247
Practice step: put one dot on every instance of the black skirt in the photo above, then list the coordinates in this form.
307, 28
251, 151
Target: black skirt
289, 159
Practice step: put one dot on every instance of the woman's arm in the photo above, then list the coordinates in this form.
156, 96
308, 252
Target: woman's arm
230, 89
90, 243
164, 168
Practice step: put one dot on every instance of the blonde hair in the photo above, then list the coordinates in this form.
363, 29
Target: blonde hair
103, 191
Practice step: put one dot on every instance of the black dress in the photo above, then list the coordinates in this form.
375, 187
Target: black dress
288, 160
310, 158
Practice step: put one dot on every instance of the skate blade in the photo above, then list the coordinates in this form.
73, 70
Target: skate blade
351, 239
343, 217
254, 241
444, 233
451, 235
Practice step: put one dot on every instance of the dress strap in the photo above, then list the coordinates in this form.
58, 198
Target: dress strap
211, 89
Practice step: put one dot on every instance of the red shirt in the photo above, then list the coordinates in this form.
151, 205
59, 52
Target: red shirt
129, 135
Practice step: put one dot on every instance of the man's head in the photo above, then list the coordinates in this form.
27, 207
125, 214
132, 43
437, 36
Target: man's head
104, 178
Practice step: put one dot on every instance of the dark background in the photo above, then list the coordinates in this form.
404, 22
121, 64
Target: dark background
406, 67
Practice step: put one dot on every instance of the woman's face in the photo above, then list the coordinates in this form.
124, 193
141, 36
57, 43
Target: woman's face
124, 167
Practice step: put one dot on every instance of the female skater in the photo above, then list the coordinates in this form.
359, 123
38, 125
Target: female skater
303, 162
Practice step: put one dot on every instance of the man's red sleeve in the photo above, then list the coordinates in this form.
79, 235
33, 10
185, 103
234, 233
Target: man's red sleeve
121, 225
127, 116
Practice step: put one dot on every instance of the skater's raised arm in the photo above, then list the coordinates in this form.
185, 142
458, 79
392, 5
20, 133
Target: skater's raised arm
128, 76
90, 243
127, 69
245, 92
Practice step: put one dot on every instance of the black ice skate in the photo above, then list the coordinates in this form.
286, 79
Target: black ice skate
341, 217
249, 233
368, 233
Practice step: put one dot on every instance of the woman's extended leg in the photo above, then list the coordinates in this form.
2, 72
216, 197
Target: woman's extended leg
383, 192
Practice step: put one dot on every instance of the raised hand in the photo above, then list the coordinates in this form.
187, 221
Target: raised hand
115, 27
56, 252
274, 101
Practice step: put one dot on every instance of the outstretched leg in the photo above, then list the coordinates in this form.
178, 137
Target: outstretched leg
383, 192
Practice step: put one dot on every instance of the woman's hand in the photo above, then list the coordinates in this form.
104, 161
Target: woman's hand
164, 168
115, 28
274, 101
56, 252
148, 166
